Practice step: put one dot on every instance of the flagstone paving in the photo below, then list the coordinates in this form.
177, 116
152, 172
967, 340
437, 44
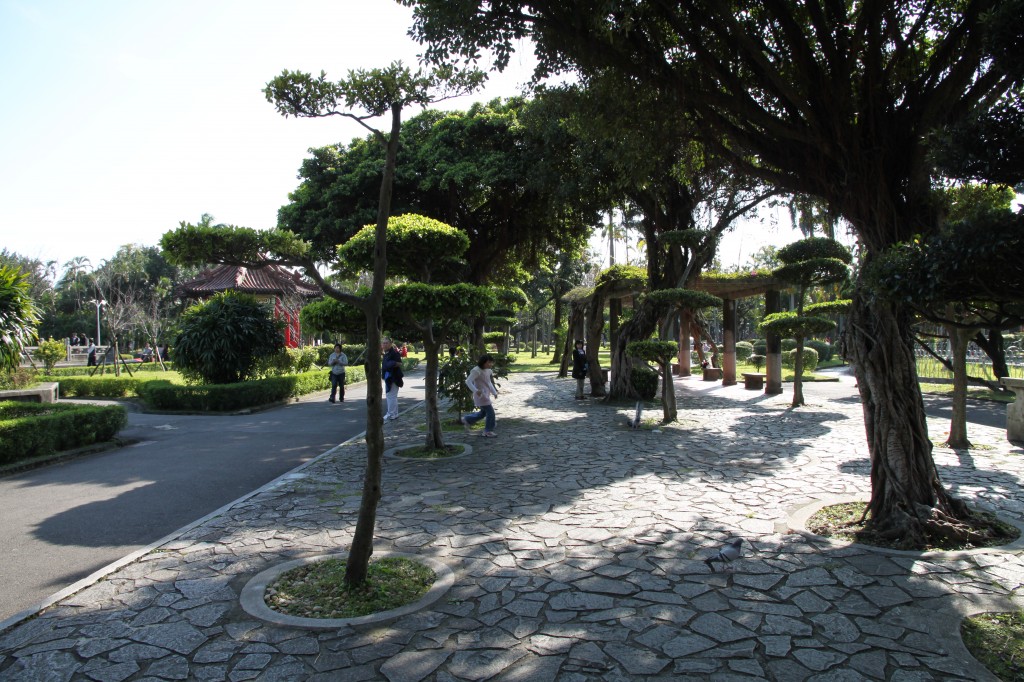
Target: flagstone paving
577, 546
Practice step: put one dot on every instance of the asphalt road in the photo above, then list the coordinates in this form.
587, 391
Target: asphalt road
65, 521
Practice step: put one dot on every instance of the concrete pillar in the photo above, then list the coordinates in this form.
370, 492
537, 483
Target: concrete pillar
1015, 410
685, 318
773, 354
729, 342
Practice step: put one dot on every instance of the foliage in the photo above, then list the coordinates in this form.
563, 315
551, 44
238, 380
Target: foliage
661, 352
757, 361
823, 349
420, 248
105, 386
19, 316
22, 377
50, 352
33, 429
493, 337
451, 379
837, 307
683, 298
760, 347
788, 323
223, 339
645, 382
620, 274
975, 265
810, 359
744, 349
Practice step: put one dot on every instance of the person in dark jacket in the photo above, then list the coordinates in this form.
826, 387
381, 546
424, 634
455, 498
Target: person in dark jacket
579, 369
391, 371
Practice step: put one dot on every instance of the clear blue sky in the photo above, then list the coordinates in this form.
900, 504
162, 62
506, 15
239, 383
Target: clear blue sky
124, 118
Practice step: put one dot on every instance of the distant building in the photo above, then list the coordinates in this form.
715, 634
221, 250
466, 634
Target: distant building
288, 289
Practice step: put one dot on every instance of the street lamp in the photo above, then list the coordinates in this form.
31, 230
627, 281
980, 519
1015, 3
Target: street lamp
99, 303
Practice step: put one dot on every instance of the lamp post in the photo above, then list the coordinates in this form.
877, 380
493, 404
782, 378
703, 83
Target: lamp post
99, 303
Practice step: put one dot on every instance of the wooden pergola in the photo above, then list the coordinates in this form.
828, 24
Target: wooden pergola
730, 290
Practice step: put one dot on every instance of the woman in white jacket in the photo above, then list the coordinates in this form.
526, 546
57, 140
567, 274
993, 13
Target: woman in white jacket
481, 383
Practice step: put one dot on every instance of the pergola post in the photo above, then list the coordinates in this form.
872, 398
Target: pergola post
729, 342
685, 329
773, 353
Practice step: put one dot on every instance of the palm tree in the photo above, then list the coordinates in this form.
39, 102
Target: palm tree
18, 316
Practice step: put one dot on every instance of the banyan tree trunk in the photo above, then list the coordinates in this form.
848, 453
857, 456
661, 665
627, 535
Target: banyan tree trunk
639, 327
435, 434
595, 324
908, 502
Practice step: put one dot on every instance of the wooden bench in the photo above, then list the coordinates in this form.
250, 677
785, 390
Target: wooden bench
753, 381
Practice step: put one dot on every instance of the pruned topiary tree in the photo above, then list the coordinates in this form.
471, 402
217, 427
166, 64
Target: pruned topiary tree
806, 263
661, 352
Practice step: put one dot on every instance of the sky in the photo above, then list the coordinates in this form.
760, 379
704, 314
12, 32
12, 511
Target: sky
126, 118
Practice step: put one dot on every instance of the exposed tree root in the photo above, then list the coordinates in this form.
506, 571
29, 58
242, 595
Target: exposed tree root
931, 527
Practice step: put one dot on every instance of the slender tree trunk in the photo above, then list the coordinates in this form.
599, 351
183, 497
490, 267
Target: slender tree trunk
362, 540
668, 393
556, 325
576, 315
798, 373
435, 432
958, 341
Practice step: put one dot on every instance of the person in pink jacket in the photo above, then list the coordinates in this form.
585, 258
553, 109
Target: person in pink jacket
481, 382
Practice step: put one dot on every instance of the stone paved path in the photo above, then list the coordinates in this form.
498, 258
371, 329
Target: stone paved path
577, 546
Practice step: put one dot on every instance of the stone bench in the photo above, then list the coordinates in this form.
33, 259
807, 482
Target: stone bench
1015, 410
712, 374
43, 393
753, 381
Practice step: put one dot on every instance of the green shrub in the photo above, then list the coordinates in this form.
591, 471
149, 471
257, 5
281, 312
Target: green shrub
451, 378
810, 359
760, 347
744, 349
644, 381
788, 344
21, 377
757, 361
223, 339
34, 429
50, 352
823, 347
163, 395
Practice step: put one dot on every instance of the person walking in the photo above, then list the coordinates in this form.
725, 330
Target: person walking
91, 354
579, 368
337, 361
391, 371
481, 382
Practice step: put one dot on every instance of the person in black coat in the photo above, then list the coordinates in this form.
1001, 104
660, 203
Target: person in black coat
579, 368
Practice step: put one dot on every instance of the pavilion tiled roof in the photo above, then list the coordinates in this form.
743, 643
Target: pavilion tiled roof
265, 280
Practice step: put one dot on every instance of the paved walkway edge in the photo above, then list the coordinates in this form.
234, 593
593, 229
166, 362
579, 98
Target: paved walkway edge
124, 561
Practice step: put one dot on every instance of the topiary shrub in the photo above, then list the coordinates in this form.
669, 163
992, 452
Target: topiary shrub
757, 361
223, 340
810, 359
744, 349
760, 347
823, 347
32, 429
645, 381
788, 344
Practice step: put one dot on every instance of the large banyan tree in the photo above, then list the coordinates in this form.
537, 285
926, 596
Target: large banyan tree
826, 98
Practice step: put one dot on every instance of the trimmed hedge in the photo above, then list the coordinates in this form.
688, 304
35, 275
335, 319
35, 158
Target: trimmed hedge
108, 386
82, 370
810, 359
32, 429
823, 347
163, 395
744, 349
